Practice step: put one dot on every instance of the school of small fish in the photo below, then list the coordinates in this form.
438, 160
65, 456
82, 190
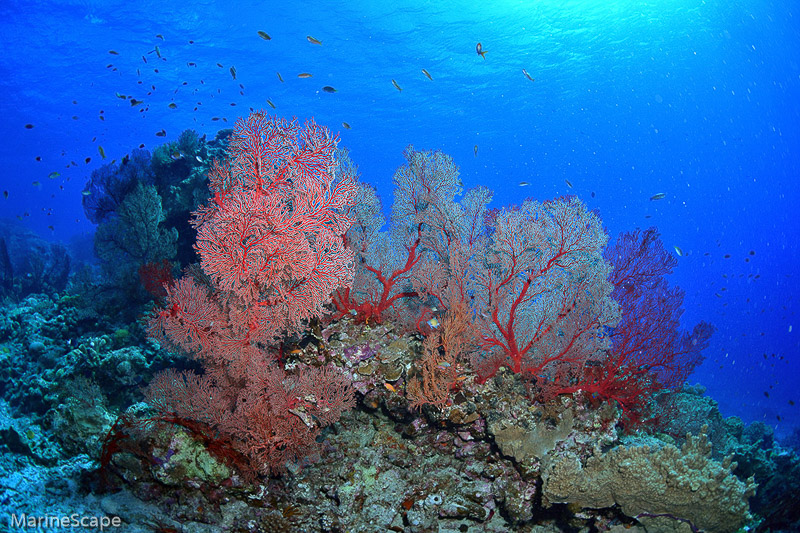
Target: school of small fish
140, 102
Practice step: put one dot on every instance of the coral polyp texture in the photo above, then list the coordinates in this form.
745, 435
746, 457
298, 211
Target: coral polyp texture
651, 482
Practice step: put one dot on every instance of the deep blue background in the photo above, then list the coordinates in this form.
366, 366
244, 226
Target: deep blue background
699, 100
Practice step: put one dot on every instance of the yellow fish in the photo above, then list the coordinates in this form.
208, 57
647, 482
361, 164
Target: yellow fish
389, 387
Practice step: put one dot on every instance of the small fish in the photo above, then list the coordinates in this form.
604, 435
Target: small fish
396, 86
135, 102
220, 65
304, 75
678, 250
28, 126
51, 228
523, 183
658, 196
36, 184
143, 59
444, 364
102, 152
173, 105
87, 160
159, 36
345, 125
176, 156
389, 387
264, 35
313, 40
113, 52
233, 72
527, 75
475, 150
428, 74
190, 64
199, 159
5, 194
480, 50
53, 175
38, 158
162, 133
141, 145
279, 77
569, 183
433, 323
270, 103
158, 51
214, 119
329, 89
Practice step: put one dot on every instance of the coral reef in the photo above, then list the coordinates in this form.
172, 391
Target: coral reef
468, 369
664, 481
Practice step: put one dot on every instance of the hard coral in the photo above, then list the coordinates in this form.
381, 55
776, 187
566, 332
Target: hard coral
685, 484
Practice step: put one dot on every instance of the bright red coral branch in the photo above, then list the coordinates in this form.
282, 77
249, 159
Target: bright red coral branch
271, 247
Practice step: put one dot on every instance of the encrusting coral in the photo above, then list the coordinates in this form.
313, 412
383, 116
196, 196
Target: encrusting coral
684, 484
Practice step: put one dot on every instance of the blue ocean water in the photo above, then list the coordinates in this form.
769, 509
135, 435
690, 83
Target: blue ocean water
622, 100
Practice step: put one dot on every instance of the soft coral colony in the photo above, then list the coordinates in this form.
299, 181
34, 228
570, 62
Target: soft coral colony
290, 241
